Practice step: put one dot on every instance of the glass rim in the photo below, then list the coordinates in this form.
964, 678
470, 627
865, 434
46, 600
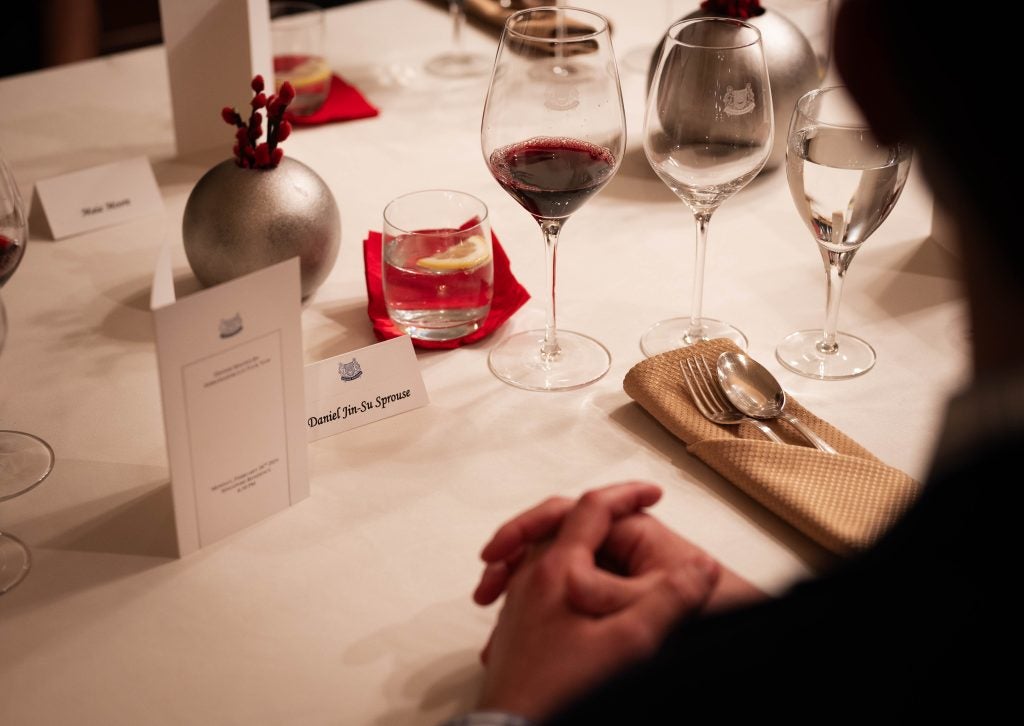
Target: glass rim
481, 218
673, 31
603, 23
801, 109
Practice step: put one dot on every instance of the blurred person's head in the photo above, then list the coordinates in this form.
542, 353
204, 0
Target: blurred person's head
931, 76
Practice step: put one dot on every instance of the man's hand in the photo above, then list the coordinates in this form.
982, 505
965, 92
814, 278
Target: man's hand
637, 548
545, 648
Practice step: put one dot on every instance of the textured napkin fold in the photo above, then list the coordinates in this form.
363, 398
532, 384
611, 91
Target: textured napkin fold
842, 501
509, 296
344, 103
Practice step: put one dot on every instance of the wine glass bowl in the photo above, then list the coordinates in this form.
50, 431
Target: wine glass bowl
708, 132
553, 135
844, 183
25, 459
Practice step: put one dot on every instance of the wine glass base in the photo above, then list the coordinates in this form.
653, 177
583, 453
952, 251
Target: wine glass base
460, 65
799, 352
25, 460
675, 333
517, 361
15, 561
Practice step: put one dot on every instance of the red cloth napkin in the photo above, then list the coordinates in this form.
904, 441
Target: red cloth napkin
509, 296
344, 103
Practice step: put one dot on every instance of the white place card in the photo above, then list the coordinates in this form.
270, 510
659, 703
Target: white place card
361, 387
230, 360
100, 196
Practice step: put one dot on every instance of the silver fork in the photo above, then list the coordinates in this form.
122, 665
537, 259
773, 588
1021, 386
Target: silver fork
710, 400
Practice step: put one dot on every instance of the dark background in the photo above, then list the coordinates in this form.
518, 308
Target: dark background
39, 34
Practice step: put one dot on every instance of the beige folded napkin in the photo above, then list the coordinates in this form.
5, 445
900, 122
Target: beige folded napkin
844, 501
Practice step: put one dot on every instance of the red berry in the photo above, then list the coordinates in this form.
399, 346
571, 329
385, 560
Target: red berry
287, 93
284, 131
257, 83
263, 156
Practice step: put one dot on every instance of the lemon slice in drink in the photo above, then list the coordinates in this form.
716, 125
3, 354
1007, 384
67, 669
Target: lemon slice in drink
470, 252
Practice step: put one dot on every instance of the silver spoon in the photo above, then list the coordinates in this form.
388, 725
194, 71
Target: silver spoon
755, 391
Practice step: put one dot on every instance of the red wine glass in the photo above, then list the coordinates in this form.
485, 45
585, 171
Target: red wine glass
25, 460
552, 140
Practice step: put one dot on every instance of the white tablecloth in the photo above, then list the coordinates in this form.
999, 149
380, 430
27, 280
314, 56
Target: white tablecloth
353, 606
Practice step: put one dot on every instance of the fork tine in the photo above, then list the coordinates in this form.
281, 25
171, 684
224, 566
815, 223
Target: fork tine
715, 392
689, 385
694, 381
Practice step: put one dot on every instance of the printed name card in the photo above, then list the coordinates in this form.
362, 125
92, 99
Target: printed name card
100, 196
361, 387
231, 378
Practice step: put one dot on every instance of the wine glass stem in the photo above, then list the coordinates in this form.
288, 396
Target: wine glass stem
696, 331
457, 9
836, 265
551, 229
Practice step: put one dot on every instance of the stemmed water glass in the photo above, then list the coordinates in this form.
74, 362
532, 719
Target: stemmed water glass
25, 459
459, 62
553, 134
707, 133
844, 183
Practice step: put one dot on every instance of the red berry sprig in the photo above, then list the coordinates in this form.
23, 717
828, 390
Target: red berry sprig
249, 151
740, 9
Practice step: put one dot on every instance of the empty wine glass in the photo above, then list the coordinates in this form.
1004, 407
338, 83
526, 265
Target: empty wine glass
459, 62
25, 459
707, 133
552, 140
844, 183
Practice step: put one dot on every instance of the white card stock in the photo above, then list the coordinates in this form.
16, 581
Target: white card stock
230, 360
361, 387
214, 48
100, 196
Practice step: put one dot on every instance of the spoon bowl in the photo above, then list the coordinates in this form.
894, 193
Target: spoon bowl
754, 391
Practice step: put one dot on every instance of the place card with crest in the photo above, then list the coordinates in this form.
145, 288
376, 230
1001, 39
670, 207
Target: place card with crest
363, 386
231, 379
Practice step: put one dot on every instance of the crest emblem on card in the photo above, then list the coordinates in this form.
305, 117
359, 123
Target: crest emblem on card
349, 371
738, 101
230, 326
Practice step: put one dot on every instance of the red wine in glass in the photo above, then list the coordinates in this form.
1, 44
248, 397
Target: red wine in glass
11, 252
552, 177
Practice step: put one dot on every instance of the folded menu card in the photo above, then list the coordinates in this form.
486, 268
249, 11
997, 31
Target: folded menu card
231, 378
843, 501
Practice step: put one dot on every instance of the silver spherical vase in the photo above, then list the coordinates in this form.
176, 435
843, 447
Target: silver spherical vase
241, 220
793, 70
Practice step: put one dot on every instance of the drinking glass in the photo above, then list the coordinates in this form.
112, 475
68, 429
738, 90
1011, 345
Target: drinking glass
458, 62
552, 140
437, 268
844, 183
25, 459
707, 132
297, 38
